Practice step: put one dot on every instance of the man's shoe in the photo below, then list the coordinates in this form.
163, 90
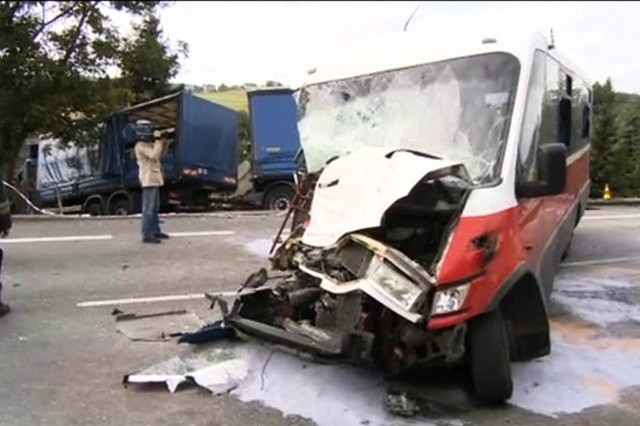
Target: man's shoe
4, 309
151, 240
162, 236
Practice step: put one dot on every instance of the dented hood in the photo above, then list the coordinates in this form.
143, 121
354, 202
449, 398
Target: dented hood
354, 191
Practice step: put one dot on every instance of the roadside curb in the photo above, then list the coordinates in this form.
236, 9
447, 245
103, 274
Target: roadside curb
227, 215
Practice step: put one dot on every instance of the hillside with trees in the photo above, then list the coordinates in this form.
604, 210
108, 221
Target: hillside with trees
615, 143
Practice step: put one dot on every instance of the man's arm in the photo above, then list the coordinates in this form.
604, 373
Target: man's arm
152, 153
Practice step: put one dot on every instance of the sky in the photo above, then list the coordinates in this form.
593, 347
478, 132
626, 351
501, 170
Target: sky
242, 42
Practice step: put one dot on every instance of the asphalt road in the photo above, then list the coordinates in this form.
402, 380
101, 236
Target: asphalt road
62, 360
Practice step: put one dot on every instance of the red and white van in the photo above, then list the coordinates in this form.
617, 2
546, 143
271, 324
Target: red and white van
450, 178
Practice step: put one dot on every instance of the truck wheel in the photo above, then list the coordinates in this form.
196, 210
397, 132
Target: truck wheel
94, 208
489, 353
120, 207
278, 198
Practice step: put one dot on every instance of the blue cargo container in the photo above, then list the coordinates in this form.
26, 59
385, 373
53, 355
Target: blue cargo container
201, 159
275, 144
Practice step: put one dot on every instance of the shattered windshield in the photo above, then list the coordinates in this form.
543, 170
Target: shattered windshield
457, 109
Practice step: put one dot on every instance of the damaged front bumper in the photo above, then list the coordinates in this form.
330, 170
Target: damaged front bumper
326, 313
383, 273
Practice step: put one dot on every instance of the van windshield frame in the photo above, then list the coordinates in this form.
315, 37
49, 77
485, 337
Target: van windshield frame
458, 109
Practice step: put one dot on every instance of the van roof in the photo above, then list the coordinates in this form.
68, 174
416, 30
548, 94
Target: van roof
405, 50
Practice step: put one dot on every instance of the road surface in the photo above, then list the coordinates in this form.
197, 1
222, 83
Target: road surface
62, 360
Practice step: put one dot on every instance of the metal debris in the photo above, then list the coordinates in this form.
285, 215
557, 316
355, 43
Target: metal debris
157, 327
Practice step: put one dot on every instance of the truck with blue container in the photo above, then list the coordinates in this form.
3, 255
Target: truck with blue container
275, 146
103, 179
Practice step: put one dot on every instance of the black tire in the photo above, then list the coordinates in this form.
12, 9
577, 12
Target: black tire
567, 250
489, 355
278, 198
120, 207
94, 208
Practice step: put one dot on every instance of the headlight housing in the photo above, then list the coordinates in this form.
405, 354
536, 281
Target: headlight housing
449, 300
394, 284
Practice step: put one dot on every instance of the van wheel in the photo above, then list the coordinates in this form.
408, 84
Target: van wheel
567, 250
489, 353
278, 198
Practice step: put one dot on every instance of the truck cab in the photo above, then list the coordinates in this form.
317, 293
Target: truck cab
275, 144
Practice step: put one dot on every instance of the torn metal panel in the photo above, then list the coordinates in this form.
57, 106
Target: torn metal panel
157, 327
218, 370
349, 182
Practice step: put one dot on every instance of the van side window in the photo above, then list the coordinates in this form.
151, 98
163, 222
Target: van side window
531, 125
586, 114
554, 92
564, 110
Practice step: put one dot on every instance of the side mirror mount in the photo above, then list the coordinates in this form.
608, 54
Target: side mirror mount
552, 173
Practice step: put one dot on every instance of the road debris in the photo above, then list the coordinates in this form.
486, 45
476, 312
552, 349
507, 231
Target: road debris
157, 327
215, 369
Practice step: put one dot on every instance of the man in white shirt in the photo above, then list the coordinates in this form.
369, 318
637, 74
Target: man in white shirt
149, 156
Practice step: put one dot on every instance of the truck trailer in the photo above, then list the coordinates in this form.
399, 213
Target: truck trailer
103, 178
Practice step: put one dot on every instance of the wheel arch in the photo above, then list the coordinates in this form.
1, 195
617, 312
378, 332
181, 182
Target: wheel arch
91, 199
122, 194
273, 186
524, 311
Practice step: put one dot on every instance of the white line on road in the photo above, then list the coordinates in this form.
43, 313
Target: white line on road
57, 239
138, 300
599, 261
613, 217
200, 233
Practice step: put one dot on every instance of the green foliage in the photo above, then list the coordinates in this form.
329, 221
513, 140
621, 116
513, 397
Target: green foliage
146, 61
53, 57
615, 143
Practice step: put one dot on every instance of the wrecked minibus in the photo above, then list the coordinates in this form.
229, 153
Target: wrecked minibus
446, 185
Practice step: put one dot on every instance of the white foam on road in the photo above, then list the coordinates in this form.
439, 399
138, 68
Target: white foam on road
582, 370
573, 378
71, 238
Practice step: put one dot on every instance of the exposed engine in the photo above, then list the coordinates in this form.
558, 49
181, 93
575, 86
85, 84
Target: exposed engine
367, 297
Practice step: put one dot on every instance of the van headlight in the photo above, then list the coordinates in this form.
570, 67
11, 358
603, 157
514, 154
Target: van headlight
449, 299
394, 284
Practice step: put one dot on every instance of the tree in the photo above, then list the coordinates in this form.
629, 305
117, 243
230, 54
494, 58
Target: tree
603, 136
625, 153
147, 62
53, 57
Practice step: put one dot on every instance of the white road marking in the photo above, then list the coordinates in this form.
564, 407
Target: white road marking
57, 239
612, 217
200, 233
169, 298
599, 261
138, 300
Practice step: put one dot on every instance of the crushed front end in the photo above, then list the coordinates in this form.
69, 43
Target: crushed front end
361, 288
